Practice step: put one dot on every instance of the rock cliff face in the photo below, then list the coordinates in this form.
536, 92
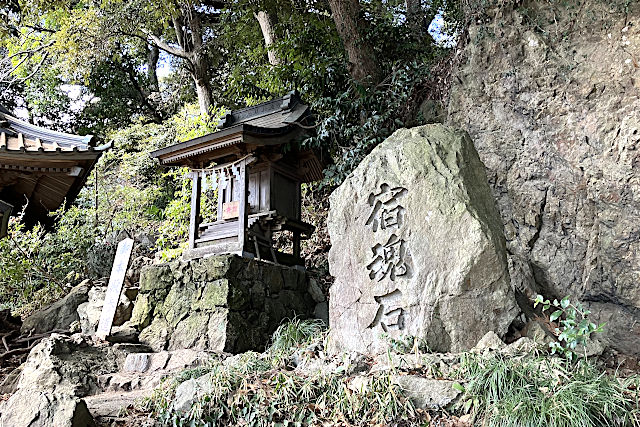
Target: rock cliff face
549, 92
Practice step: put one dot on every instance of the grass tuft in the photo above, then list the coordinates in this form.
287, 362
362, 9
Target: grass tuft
546, 392
293, 335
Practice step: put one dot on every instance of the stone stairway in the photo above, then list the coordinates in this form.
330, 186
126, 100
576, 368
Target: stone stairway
140, 373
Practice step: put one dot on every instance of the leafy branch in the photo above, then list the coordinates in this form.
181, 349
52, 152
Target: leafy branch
573, 327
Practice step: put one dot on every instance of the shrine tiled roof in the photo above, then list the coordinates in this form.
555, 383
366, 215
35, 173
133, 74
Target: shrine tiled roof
41, 169
272, 123
274, 114
19, 136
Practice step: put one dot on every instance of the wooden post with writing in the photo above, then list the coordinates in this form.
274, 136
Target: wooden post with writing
111, 299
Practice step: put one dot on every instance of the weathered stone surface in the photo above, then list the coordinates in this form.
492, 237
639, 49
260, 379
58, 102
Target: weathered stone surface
125, 333
137, 362
316, 292
427, 393
190, 391
418, 247
37, 408
322, 312
556, 123
107, 408
66, 365
58, 371
59, 315
191, 332
490, 342
156, 334
89, 312
221, 303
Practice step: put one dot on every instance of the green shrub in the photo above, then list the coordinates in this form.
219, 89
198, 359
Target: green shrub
293, 335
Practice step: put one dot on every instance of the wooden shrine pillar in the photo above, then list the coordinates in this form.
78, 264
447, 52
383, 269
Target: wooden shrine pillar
296, 244
194, 220
243, 209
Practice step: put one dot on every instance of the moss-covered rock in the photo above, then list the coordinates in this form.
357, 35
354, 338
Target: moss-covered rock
220, 303
214, 295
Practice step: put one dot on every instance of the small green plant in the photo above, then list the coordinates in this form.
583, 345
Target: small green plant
574, 327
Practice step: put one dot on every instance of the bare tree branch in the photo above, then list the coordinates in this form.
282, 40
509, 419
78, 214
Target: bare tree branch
168, 48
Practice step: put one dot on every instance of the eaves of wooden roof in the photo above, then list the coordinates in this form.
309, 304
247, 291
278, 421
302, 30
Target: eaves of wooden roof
44, 167
270, 123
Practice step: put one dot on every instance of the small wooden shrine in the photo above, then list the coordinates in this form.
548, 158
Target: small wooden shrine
40, 168
255, 170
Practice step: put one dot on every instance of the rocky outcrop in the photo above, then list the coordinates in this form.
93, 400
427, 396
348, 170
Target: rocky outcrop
427, 393
59, 315
555, 120
417, 247
65, 365
36, 408
58, 372
221, 303
69, 381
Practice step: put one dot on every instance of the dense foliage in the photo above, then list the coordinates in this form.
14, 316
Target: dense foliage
133, 195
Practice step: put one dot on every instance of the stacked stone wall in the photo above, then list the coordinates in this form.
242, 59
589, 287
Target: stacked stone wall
220, 303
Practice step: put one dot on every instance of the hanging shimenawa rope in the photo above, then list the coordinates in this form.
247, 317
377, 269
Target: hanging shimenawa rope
221, 167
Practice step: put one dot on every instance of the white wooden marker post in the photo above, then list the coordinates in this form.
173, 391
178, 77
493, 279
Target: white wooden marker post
118, 272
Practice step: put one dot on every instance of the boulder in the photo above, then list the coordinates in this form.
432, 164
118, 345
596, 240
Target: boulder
490, 342
37, 408
188, 392
59, 315
66, 365
417, 247
48, 386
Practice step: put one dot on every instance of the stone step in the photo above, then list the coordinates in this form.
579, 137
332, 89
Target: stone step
109, 408
124, 382
164, 360
146, 370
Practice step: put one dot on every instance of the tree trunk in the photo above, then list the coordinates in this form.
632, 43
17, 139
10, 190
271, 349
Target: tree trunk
152, 65
415, 18
351, 28
190, 39
266, 25
200, 74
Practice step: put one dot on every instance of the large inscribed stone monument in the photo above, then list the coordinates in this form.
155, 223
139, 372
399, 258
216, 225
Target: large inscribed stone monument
418, 247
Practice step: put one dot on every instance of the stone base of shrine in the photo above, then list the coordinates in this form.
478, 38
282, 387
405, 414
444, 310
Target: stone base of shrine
219, 303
